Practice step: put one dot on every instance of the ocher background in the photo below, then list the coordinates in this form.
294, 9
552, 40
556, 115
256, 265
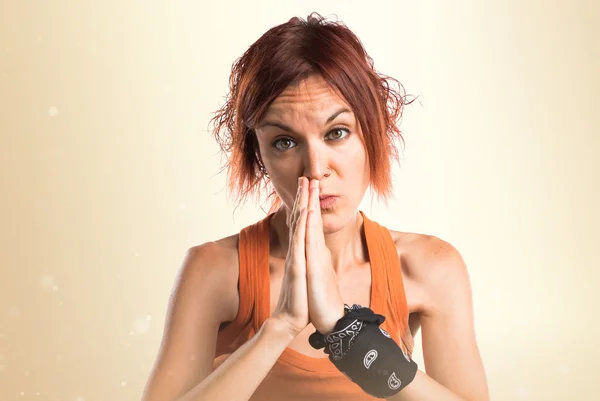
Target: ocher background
108, 175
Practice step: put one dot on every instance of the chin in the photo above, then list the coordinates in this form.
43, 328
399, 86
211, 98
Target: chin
335, 220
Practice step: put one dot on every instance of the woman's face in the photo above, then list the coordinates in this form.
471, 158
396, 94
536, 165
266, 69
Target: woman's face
310, 131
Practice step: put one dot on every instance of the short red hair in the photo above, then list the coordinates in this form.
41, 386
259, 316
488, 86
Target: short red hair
283, 56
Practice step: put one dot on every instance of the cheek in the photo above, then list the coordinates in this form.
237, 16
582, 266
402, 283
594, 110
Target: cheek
287, 195
355, 163
284, 181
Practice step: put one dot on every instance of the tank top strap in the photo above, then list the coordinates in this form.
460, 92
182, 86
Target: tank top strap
251, 260
254, 265
387, 272
253, 257
246, 275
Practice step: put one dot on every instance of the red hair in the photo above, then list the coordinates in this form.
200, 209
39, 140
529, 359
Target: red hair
285, 55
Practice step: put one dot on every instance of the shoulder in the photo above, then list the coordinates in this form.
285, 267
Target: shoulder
218, 252
215, 265
447, 316
432, 263
427, 253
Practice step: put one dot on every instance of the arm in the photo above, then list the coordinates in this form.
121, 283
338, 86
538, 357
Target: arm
454, 367
205, 295
239, 376
424, 388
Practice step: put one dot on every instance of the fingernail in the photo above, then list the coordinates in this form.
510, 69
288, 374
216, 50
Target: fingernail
299, 181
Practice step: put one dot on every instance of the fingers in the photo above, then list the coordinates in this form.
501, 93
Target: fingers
313, 203
305, 192
297, 248
294, 217
314, 229
300, 229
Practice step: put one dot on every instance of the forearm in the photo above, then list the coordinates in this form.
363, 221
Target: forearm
424, 388
237, 378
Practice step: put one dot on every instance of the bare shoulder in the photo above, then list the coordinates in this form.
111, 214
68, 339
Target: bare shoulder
423, 251
216, 262
439, 279
437, 270
221, 252
204, 297
428, 261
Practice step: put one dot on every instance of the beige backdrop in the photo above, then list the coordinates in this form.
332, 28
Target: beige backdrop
108, 175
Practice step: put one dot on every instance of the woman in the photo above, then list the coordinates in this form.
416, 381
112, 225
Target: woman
309, 118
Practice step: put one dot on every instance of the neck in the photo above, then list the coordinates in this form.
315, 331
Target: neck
347, 245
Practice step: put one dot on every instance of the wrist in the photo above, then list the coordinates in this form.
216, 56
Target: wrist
329, 326
278, 331
366, 353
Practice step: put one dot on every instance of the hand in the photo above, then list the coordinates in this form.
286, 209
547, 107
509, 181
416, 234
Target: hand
292, 306
325, 305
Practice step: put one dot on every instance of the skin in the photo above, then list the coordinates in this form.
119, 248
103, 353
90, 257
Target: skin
311, 133
318, 261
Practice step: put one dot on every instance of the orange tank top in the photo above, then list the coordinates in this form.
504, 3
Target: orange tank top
296, 376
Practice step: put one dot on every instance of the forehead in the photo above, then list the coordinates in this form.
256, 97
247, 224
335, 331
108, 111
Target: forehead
310, 96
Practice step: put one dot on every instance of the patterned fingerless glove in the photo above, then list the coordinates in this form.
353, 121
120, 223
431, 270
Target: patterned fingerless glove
366, 353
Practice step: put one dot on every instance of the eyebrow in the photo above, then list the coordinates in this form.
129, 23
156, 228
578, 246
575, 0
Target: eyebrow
286, 128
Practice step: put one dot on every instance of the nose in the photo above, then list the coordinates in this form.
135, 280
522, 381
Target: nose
316, 163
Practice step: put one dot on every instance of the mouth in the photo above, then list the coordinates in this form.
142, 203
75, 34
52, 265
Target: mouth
327, 201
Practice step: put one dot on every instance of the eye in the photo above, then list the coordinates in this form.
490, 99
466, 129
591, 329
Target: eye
338, 133
283, 144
